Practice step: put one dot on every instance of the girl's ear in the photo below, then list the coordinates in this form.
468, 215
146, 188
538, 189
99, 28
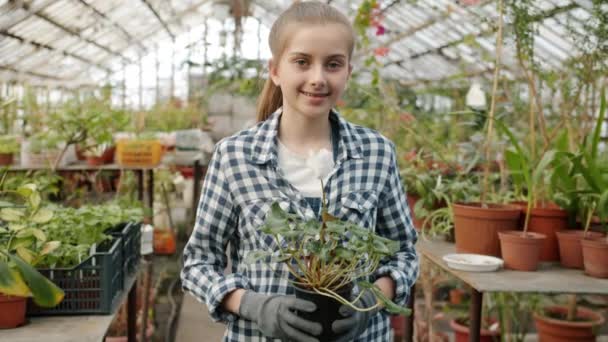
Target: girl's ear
273, 71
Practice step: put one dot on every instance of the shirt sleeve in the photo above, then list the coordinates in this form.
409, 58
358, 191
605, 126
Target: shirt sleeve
205, 253
394, 222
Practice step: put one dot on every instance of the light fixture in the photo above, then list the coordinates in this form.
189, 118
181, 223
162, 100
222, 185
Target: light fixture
476, 98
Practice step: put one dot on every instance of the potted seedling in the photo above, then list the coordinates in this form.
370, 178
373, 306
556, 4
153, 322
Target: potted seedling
326, 260
8, 147
22, 244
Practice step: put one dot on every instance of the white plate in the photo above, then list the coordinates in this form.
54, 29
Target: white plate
473, 262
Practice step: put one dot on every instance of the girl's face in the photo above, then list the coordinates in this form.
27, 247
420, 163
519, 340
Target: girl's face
313, 69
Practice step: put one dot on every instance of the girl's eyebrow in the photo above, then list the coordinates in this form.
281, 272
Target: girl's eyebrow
309, 55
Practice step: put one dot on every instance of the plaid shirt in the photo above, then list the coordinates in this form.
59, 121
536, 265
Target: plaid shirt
243, 180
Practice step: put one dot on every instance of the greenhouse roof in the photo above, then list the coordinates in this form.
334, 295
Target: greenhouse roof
76, 42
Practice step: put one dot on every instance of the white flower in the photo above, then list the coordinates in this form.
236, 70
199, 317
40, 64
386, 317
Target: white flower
321, 163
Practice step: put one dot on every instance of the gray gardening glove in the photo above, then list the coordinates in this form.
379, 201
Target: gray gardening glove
355, 322
275, 317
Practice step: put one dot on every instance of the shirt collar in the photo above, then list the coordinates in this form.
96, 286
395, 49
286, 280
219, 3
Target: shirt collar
264, 146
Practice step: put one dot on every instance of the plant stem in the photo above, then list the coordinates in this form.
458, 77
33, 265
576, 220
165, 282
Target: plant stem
571, 307
486, 170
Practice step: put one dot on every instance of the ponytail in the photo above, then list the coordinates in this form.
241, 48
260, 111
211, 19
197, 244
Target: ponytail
269, 101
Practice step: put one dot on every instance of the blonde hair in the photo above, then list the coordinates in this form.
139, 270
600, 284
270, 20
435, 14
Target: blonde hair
310, 12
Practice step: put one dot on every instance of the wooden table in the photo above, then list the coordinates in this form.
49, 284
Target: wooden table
80, 328
549, 278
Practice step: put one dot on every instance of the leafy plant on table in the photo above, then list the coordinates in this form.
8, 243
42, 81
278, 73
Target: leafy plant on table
9, 144
23, 243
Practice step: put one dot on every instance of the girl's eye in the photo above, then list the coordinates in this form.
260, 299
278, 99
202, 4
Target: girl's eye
301, 62
334, 65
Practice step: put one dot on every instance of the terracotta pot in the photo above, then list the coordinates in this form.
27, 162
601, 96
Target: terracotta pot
456, 296
108, 155
94, 161
548, 221
476, 228
12, 311
595, 257
411, 201
570, 250
6, 158
521, 251
558, 330
462, 332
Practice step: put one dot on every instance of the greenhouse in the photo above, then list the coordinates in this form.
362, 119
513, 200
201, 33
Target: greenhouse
295, 170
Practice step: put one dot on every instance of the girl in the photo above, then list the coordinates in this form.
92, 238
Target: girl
312, 45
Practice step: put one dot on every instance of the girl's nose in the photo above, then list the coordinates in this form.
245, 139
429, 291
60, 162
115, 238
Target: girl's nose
317, 78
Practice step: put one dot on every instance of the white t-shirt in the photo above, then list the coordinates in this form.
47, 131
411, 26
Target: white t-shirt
300, 170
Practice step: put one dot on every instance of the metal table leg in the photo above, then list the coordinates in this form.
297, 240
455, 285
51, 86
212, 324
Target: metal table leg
151, 190
140, 185
132, 313
475, 315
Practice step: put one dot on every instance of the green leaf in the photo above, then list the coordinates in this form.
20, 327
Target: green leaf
11, 215
388, 304
22, 242
26, 190
42, 216
11, 282
602, 206
25, 254
45, 293
34, 200
545, 161
39, 234
598, 125
16, 227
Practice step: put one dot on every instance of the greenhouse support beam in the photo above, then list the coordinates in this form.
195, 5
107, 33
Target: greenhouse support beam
29, 11
129, 37
541, 16
54, 50
31, 73
175, 18
407, 33
162, 22
75, 34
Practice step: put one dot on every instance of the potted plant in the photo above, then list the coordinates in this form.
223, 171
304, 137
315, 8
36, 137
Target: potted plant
567, 323
521, 250
8, 147
594, 169
22, 244
327, 259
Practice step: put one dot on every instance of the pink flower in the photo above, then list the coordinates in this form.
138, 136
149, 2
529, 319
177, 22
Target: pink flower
380, 30
381, 51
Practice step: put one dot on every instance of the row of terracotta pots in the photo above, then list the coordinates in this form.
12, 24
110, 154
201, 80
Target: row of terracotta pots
495, 230
550, 326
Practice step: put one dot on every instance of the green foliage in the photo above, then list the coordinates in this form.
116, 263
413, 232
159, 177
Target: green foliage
23, 243
9, 144
172, 116
80, 229
328, 255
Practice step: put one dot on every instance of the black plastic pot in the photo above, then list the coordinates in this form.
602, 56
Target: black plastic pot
327, 309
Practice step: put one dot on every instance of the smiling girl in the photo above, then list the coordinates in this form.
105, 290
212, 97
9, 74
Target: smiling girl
312, 45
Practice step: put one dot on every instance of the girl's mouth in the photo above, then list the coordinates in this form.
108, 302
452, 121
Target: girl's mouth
317, 95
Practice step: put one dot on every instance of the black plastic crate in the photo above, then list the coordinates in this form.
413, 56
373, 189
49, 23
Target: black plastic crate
93, 287
130, 232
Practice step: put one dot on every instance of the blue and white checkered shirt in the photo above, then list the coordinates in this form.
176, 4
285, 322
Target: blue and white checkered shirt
243, 180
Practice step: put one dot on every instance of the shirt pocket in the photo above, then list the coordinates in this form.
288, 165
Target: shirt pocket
360, 207
254, 214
